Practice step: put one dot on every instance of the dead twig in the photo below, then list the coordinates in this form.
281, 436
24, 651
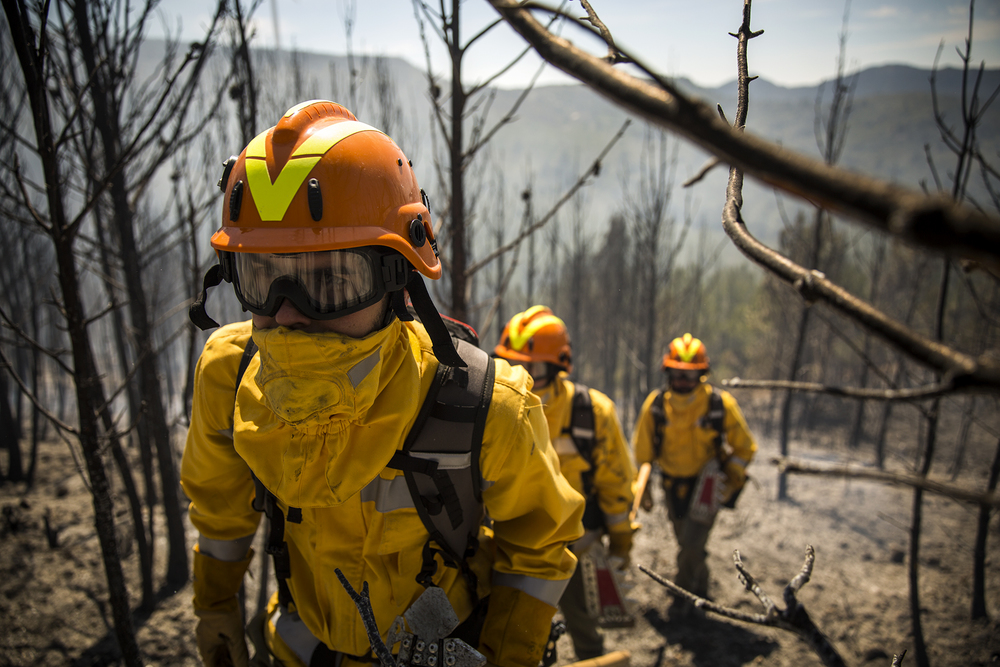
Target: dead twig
787, 465
364, 605
793, 618
911, 394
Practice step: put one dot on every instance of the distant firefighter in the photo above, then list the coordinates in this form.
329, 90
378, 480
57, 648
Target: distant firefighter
593, 456
697, 436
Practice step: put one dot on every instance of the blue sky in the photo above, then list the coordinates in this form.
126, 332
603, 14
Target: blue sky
679, 37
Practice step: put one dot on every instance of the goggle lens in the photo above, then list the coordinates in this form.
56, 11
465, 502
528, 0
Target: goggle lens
318, 283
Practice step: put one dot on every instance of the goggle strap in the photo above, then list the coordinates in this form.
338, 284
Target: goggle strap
196, 311
441, 342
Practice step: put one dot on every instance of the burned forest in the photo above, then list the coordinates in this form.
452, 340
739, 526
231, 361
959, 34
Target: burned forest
837, 249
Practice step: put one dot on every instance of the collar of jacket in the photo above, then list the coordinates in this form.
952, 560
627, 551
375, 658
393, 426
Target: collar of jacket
329, 455
696, 401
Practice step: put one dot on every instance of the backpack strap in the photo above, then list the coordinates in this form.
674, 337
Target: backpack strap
440, 461
715, 420
659, 424
266, 502
582, 429
248, 352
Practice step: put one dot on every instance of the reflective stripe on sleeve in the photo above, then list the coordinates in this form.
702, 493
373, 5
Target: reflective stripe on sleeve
227, 550
614, 519
737, 460
546, 590
294, 633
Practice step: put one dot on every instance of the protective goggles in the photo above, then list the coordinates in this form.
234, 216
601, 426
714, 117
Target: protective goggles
686, 374
322, 285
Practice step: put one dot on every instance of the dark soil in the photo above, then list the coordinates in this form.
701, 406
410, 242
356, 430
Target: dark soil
54, 610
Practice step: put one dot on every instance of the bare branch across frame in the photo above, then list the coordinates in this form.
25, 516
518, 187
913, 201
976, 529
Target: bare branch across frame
900, 479
933, 221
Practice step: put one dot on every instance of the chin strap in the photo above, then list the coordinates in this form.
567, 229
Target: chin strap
397, 307
196, 311
444, 347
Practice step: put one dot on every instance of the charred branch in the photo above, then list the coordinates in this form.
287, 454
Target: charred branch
933, 221
793, 618
989, 499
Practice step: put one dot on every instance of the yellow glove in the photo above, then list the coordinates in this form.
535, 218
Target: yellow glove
219, 632
516, 628
736, 477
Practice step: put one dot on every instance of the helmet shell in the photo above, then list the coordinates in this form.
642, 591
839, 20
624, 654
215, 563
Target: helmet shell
536, 335
322, 180
686, 353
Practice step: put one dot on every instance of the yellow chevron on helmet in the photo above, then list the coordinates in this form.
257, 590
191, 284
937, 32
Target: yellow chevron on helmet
687, 353
536, 335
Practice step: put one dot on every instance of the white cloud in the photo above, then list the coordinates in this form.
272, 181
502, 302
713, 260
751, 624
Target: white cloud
883, 12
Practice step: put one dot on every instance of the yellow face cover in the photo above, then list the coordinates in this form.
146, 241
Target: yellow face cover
323, 413
311, 379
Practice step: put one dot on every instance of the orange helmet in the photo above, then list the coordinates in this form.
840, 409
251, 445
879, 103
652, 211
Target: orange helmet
322, 180
536, 335
686, 353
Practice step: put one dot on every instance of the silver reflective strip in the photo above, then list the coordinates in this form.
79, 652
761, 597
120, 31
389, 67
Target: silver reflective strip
583, 545
446, 461
361, 369
387, 494
227, 550
564, 445
612, 519
546, 590
294, 633
579, 432
737, 460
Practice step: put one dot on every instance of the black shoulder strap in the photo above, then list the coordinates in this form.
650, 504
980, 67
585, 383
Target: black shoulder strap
267, 502
248, 352
581, 423
659, 423
583, 430
440, 458
715, 419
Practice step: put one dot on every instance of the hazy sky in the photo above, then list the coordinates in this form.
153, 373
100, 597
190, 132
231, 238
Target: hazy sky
679, 37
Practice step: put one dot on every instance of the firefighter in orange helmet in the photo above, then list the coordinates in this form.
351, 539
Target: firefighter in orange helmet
313, 412
697, 436
593, 454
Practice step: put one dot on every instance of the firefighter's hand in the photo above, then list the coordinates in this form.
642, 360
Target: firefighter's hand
736, 477
516, 628
647, 499
219, 631
220, 638
620, 544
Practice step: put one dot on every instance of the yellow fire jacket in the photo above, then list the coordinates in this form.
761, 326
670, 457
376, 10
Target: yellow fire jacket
612, 464
335, 475
688, 441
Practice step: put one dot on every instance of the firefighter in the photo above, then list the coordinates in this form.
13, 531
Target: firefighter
593, 454
308, 411
697, 436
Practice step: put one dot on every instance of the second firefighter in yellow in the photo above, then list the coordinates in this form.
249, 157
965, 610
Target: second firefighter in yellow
593, 455
678, 432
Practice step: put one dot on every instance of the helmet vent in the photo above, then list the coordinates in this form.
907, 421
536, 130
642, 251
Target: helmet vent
235, 201
315, 200
227, 168
418, 235
399, 161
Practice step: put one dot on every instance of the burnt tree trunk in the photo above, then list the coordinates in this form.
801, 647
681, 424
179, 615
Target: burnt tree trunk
86, 379
106, 120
